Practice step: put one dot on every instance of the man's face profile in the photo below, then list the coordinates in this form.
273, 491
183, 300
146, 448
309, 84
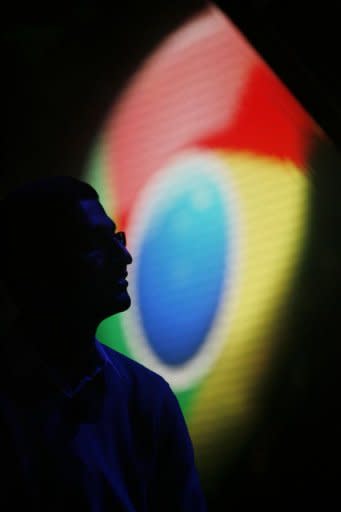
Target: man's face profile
103, 261
62, 256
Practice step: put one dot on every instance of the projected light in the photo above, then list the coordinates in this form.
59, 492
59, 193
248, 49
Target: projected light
202, 161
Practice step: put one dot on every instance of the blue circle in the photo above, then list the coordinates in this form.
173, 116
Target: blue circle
181, 267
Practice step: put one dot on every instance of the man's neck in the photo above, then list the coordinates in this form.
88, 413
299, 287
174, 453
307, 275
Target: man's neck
61, 342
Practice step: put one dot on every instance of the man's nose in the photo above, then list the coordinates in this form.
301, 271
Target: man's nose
125, 255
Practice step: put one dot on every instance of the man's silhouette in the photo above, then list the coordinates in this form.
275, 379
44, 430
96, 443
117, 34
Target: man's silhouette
83, 427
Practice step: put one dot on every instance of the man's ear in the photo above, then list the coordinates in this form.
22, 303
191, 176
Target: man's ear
9, 311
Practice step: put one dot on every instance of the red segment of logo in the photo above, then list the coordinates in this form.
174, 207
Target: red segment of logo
270, 121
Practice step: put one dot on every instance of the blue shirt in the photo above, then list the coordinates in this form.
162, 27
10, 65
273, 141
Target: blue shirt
117, 441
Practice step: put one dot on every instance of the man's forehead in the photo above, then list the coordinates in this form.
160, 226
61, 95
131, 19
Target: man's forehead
95, 214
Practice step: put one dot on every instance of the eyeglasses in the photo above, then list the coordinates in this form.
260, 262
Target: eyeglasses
121, 237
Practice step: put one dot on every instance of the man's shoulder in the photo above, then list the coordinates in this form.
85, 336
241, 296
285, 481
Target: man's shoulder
146, 391
132, 371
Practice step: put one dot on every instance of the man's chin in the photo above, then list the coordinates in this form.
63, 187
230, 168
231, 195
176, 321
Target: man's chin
123, 305
117, 303
122, 302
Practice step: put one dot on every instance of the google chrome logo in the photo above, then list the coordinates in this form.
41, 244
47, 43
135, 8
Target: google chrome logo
203, 161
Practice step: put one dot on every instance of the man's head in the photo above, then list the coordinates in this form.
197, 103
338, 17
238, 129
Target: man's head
59, 250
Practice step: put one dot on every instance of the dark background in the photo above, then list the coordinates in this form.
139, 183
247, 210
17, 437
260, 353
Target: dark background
62, 69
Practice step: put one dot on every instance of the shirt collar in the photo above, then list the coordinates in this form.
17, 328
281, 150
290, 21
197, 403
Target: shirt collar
25, 361
99, 361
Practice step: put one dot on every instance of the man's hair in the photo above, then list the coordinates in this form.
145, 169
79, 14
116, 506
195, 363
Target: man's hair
37, 216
